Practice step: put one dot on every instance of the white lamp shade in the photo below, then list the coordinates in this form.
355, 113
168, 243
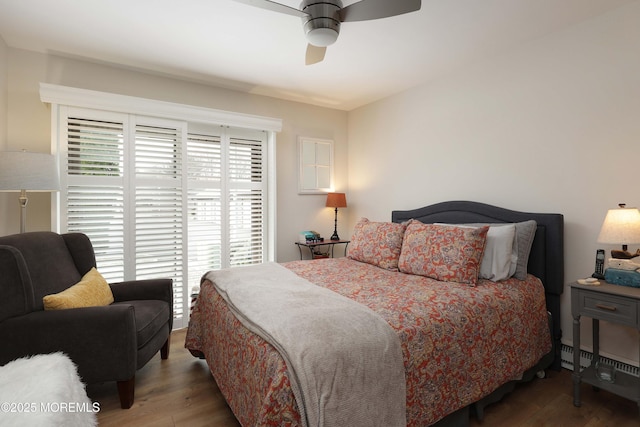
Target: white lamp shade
21, 170
621, 226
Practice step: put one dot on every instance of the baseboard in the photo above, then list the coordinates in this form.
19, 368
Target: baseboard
586, 357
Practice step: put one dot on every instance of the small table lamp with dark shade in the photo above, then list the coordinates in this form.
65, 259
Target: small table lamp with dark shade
621, 227
24, 171
336, 200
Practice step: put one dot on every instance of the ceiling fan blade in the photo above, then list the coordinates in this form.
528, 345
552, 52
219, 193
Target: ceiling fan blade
315, 54
365, 10
273, 6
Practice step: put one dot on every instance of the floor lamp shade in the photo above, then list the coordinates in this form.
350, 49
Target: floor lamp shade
24, 171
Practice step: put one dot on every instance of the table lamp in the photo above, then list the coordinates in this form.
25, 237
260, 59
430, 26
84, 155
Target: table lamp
621, 226
336, 200
24, 171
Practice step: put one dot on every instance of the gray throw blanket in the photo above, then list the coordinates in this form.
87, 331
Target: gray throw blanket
344, 361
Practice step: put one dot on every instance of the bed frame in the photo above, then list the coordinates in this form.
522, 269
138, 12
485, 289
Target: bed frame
546, 261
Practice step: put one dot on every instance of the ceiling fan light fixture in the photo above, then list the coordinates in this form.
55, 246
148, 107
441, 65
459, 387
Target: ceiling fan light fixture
321, 19
322, 37
322, 22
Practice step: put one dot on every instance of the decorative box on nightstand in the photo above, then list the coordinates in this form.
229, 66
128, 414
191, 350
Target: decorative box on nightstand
616, 276
615, 304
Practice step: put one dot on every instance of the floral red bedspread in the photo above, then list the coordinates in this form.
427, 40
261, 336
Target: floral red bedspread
459, 342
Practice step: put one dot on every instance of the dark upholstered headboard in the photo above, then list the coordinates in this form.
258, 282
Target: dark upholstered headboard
546, 260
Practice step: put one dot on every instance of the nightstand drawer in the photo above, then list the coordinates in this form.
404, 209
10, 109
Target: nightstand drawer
610, 308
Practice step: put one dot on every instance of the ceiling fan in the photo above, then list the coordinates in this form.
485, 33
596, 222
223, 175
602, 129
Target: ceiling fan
321, 19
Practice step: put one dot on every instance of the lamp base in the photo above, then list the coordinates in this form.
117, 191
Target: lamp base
23, 199
334, 236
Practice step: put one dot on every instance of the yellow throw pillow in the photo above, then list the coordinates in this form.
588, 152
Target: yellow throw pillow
92, 290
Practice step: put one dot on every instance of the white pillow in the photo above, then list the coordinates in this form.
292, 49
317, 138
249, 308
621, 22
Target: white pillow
498, 260
523, 240
500, 257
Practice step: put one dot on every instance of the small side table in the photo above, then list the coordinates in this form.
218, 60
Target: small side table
316, 254
612, 303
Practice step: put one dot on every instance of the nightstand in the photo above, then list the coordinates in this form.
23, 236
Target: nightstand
314, 246
612, 303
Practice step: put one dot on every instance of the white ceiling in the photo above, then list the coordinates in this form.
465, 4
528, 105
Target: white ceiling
233, 45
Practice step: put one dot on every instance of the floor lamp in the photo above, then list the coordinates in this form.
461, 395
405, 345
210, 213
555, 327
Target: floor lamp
24, 171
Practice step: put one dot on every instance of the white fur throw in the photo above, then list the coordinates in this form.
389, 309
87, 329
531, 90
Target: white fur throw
44, 390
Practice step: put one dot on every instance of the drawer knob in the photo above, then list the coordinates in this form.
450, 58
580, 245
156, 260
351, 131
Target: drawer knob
606, 307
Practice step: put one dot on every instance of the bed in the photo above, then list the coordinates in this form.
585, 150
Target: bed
463, 344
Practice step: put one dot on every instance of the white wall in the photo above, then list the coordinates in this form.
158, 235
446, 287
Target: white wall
4, 53
29, 127
551, 127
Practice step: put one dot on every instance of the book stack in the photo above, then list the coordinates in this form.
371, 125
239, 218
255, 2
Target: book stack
310, 237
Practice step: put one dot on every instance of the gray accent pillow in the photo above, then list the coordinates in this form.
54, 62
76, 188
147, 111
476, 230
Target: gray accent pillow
525, 232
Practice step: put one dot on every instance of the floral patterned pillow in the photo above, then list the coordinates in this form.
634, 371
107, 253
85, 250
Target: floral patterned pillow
445, 253
377, 243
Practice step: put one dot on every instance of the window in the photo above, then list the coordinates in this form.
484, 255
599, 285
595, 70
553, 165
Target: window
315, 166
161, 197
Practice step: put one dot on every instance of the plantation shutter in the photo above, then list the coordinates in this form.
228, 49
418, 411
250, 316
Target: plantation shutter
94, 196
158, 200
205, 204
227, 188
246, 198
157, 197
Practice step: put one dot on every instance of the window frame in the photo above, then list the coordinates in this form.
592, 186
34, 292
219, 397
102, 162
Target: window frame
315, 165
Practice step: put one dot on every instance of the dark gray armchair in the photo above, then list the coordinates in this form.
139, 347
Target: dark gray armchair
107, 343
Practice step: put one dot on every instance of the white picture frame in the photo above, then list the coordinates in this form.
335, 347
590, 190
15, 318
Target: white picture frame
315, 165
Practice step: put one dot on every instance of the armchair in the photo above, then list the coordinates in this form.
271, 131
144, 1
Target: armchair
107, 343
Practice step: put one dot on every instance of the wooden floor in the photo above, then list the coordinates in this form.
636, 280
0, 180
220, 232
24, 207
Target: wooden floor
180, 391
